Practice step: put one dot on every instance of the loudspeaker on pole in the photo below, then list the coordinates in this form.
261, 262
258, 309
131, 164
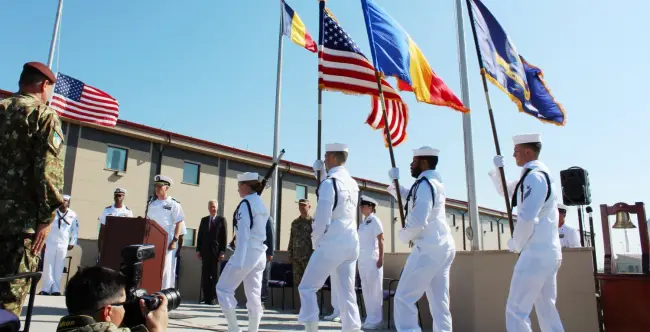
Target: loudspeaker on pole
575, 186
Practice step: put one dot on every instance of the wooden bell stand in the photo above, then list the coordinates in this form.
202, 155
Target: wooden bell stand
625, 298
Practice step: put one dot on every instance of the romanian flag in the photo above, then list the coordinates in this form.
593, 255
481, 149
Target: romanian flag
395, 54
504, 67
293, 28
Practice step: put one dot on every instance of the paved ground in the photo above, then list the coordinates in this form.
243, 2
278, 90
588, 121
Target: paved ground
48, 310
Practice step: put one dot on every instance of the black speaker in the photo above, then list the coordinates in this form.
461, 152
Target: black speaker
575, 186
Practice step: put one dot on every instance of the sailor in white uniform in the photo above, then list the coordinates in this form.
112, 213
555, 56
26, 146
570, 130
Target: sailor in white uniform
63, 237
427, 267
371, 263
336, 242
176, 253
249, 259
118, 209
569, 236
168, 213
535, 238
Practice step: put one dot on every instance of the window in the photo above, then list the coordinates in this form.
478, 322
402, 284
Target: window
188, 239
191, 173
501, 228
491, 226
301, 192
116, 159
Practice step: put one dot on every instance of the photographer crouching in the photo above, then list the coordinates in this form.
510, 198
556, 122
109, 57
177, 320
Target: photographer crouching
96, 298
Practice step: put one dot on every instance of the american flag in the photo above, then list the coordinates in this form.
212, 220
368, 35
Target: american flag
75, 100
343, 67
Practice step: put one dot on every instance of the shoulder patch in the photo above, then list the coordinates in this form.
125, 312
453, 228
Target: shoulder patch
55, 141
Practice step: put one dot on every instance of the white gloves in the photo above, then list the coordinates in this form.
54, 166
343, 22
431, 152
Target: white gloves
498, 161
393, 173
319, 168
319, 165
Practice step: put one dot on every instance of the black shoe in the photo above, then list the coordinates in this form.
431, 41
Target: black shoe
56, 294
213, 302
44, 293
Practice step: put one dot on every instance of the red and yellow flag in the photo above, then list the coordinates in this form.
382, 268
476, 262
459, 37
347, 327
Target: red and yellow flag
296, 30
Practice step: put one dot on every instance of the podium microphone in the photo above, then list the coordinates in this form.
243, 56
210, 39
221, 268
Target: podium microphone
146, 210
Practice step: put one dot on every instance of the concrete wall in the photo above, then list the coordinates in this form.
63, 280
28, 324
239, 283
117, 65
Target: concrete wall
479, 287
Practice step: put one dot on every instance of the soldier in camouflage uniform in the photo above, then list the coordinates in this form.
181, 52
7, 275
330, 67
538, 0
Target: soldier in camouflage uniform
31, 178
95, 299
300, 246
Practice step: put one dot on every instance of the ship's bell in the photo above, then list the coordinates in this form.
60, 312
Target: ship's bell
623, 220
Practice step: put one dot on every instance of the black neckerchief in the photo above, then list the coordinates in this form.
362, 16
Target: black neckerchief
413, 193
58, 213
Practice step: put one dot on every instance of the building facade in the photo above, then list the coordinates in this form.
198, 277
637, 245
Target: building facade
99, 159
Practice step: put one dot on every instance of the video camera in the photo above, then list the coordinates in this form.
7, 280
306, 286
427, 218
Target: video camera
133, 257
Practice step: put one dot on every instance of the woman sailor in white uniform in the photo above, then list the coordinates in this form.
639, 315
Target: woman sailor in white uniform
249, 259
371, 263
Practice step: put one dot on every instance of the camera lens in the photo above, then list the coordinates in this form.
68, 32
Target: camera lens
173, 298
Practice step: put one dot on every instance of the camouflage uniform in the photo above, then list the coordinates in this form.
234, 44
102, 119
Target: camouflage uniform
31, 181
102, 327
300, 246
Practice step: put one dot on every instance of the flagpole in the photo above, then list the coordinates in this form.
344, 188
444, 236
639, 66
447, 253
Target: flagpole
490, 112
276, 127
321, 11
390, 147
55, 33
472, 203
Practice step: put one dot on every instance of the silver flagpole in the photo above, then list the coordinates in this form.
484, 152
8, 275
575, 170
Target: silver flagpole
276, 130
55, 33
472, 206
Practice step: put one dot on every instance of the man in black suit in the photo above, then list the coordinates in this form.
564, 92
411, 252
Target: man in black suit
210, 248
270, 249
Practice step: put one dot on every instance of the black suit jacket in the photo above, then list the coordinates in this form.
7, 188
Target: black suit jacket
211, 241
270, 245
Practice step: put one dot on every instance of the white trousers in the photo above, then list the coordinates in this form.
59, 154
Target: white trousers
324, 262
334, 293
53, 264
168, 274
424, 273
533, 283
251, 275
372, 286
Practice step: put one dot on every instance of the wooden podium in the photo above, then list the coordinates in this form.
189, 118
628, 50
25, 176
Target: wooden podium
120, 232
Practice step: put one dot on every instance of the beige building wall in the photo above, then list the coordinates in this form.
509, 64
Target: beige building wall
194, 198
93, 185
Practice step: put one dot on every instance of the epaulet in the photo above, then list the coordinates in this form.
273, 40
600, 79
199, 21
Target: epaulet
126, 207
175, 200
108, 207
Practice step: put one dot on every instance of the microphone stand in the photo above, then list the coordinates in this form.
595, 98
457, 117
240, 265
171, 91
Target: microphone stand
146, 210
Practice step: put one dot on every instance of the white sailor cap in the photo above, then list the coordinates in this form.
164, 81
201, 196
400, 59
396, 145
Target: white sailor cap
365, 199
66, 197
425, 151
120, 191
162, 179
527, 138
248, 176
336, 147
561, 206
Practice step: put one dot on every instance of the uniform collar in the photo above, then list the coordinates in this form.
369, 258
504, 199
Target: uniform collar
336, 169
430, 174
533, 164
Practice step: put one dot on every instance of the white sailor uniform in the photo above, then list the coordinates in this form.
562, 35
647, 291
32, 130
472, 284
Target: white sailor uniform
372, 278
536, 238
64, 232
167, 213
247, 262
336, 243
111, 210
569, 236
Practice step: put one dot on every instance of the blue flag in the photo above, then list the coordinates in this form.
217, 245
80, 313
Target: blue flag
505, 68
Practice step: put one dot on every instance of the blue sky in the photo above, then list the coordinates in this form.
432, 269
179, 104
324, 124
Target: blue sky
207, 69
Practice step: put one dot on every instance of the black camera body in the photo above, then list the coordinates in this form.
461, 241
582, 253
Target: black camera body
133, 257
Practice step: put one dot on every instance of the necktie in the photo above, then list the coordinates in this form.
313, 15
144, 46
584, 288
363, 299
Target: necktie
211, 222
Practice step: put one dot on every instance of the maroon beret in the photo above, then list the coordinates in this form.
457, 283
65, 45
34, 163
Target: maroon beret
43, 69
